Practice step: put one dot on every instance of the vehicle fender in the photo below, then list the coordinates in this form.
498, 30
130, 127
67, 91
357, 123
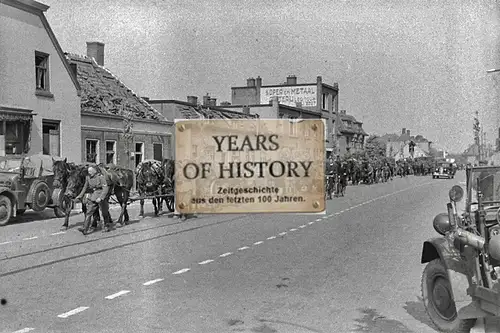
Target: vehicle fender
459, 275
10, 194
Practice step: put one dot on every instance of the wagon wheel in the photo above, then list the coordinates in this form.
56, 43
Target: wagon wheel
5, 210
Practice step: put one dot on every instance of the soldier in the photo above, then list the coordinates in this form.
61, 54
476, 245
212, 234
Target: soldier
97, 189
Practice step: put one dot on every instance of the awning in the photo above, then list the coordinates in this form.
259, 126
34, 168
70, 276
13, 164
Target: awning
15, 114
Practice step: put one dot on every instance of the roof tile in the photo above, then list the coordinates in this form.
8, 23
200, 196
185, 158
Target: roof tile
103, 92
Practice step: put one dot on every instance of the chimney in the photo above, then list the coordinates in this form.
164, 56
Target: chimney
74, 69
259, 81
291, 79
192, 100
212, 102
251, 82
403, 132
96, 50
408, 132
206, 100
246, 110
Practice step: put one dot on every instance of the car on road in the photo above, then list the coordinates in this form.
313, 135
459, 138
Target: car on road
27, 183
461, 281
444, 170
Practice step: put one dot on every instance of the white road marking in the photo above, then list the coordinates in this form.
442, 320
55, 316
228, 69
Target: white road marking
243, 248
272, 237
325, 217
5, 243
293, 229
118, 294
302, 226
257, 243
58, 233
225, 254
73, 312
151, 282
184, 270
318, 220
30, 238
24, 330
311, 223
282, 233
206, 262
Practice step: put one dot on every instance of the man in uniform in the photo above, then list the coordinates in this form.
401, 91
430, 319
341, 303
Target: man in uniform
97, 191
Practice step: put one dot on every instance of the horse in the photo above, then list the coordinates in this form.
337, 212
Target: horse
120, 181
168, 167
62, 171
149, 181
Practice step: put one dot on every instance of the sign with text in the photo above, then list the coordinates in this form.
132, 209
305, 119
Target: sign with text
291, 95
250, 166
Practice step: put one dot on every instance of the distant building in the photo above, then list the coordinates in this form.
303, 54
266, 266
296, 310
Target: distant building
317, 99
106, 105
301, 101
39, 94
398, 146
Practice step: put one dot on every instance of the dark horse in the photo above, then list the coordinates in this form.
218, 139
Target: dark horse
62, 171
149, 182
119, 179
168, 167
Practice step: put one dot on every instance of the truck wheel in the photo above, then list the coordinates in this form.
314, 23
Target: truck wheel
438, 299
5, 210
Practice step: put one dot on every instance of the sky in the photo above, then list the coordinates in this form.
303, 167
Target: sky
419, 65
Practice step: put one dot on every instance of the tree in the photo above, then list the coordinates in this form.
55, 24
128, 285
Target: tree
375, 148
128, 126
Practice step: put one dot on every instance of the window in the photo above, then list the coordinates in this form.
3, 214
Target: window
139, 153
110, 152
42, 71
158, 151
92, 151
51, 138
14, 137
324, 102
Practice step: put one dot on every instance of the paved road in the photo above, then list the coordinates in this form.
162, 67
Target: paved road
356, 269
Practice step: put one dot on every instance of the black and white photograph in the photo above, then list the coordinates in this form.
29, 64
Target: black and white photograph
223, 166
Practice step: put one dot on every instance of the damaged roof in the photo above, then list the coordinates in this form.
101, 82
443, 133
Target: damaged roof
353, 129
184, 110
103, 92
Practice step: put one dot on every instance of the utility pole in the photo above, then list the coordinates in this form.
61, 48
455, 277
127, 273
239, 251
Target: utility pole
477, 134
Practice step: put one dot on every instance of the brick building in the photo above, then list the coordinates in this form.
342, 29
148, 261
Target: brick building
108, 107
307, 101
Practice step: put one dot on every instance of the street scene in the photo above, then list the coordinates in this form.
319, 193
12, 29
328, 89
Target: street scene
271, 273
373, 126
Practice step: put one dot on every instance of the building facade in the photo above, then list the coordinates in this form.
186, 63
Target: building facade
343, 133
39, 94
318, 97
117, 126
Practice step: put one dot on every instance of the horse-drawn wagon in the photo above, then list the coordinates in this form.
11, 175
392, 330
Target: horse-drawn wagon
27, 183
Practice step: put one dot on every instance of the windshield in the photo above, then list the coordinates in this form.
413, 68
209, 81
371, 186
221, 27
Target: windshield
489, 183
